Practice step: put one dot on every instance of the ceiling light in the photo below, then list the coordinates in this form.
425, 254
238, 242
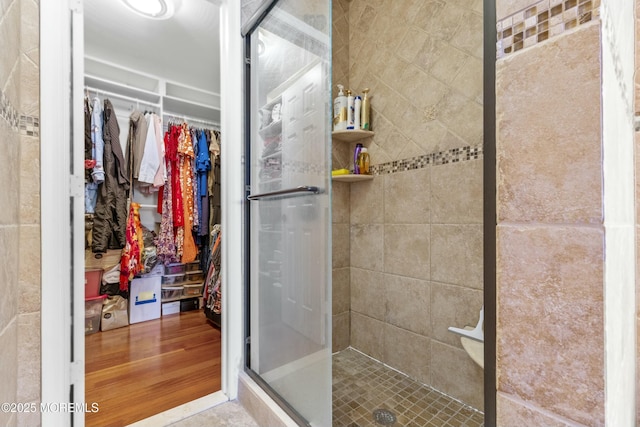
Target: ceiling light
154, 9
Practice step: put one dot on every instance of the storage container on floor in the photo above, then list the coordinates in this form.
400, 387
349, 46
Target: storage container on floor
93, 314
92, 279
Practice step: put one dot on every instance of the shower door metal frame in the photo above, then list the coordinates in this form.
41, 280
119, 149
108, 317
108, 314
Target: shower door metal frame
247, 29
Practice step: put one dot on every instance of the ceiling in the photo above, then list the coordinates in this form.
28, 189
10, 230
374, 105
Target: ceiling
184, 48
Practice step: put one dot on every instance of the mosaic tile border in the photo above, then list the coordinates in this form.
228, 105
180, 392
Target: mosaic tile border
455, 155
8, 112
29, 125
541, 21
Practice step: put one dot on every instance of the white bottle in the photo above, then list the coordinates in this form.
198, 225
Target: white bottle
350, 111
357, 107
340, 110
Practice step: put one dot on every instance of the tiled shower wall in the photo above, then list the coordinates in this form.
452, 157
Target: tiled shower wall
20, 213
550, 235
415, 232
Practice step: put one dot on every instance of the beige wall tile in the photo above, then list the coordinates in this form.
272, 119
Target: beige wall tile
366, 204
29, 357
456, 193
506, 8
407, 196
466, 38
341, 290
448, 62
456, 254
9, 241
367, 335
8, 367
469, 80
453, 306
408, 352
9, 45
340, 245
549, 164
341, 331
408, 303
550, 296
512, 411
340, 205
29, 281
9, 173
29, 87
463, 116
367, 246
29, 180
406, 250
368, 293
30, 29
454, 373
256, 406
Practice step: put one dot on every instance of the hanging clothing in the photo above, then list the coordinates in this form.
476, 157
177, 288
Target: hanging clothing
131, 259
97, 141
150, 161
185, 154
90, 187
135, 143
161, 174
111, 208
203, 166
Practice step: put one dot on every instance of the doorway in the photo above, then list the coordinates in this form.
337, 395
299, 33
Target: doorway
173, 337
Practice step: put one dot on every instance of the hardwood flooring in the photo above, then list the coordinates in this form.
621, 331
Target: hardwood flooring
147, 368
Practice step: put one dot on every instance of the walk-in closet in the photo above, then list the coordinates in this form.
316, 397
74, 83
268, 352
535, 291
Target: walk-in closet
153, 233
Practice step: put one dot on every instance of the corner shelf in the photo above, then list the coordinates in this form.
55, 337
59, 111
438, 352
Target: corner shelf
352, 178
351, 135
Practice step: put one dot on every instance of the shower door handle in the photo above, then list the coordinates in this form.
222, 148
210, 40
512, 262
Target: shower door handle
302, 189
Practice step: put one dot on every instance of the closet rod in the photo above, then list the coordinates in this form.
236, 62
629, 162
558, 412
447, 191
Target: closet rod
123, 97
170, 115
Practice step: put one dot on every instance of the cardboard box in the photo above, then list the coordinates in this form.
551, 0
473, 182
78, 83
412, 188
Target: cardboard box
145, 299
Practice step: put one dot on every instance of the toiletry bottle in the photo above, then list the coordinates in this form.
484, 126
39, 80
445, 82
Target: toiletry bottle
340, 110
363, 161
365, 121
349, 109
357, 105
356, 154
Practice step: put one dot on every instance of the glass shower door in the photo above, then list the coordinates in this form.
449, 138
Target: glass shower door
289, 146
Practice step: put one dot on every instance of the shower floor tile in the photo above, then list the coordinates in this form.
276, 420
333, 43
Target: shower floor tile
362, 385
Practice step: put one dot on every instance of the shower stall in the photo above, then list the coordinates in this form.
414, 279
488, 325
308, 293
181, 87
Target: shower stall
408, 245
353, 285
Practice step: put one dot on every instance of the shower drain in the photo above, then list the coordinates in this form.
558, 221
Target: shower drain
384, 417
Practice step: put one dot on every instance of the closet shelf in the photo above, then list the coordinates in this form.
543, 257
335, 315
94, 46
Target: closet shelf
352, 178
351, 135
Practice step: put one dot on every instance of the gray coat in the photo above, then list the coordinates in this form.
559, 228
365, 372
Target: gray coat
110, 221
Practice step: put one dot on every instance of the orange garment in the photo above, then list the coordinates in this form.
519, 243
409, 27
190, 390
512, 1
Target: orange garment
186, 155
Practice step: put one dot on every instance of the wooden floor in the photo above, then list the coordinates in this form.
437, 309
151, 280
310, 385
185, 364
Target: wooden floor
146, 368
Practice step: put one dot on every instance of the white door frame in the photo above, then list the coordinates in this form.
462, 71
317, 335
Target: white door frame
58, 185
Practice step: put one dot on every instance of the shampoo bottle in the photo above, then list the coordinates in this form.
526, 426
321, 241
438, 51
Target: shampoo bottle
340, 110
357, 106
356, 157
350, 107
365, 121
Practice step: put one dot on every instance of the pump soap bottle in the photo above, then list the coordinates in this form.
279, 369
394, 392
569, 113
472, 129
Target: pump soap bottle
340, 110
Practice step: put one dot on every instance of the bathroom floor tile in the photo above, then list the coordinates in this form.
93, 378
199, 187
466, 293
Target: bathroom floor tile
363, 386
